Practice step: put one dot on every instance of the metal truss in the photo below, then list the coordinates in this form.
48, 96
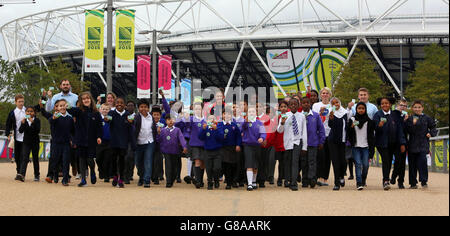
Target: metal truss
199, 23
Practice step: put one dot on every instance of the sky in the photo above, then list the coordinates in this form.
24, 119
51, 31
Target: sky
346, 8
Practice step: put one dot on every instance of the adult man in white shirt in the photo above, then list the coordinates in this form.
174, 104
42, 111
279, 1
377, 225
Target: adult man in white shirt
295, 141
363, 96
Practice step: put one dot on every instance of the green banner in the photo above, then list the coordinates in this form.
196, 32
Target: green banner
94, 37
125, 40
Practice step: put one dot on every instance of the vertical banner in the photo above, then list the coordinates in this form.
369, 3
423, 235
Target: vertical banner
94, 37
165, 75
125, 40
186, 93
143, 76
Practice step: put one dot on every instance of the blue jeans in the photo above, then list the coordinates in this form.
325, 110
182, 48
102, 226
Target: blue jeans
361, 156
144, 161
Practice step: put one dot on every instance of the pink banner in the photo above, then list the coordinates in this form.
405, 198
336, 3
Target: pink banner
165, 74
143, 76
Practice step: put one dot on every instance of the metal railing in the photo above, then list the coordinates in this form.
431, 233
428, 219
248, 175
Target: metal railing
438, 155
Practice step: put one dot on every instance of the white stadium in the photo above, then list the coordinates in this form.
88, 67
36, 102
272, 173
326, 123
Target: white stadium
223, 40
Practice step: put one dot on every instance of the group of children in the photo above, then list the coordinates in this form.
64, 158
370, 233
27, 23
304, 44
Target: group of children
242, 144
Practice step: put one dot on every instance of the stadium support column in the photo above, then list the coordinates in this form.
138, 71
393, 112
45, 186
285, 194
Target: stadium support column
109, 81
154, 68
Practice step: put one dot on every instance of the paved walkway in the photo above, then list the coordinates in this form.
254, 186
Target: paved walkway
31, 198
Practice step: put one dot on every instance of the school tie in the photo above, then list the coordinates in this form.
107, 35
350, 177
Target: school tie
295, 125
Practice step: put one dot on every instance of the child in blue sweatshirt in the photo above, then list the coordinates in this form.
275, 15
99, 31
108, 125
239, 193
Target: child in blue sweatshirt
231, 147
104, 152
213, 138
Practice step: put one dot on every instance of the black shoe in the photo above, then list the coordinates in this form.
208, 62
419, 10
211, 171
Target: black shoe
250, 188
202, 184
169, 185
351, 177
140, 183
147, 185
287, 184
234, 185
360, 187
271, 181
161, 179
106, 180
386, 186
188, 179
17, 177
294, 187
342, 182
305, 185
401, 186
424, 185
262, 185
228, 187
255, 186
280, 183
210, 185
156, 182
216, 184
121, 184
241, 185
179, 180
22, 179
127, 181
413, 187
313, 183
393, 181
115, 181
337, 188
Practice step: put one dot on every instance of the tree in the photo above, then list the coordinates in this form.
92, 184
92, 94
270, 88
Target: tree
430, 83
360, 73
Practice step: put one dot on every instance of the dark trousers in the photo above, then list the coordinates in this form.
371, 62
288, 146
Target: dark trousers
61, 155
104, 161
337, 151
240, 176
399, 167
308, 164
292, 161
418, 163
50, 160
264, 163
171, 162
75, 161
386, 157
129, 164
324, 161
85, 156
213, 165
118, 162
18, 150
229, 169
279, 156
158, 171
27, 149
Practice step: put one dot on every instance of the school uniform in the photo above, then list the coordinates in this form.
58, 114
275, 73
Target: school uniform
145, 139
388, 140
337, 140
278, 144
63, 128
362, 140
240, 176
252, 131
49, 116
295, 140
88, 128
231, 139
419, 147
187, 136
13, 123
104, 153
158, 162
400, 160
120, 130
268, 151
316, 137
171, 141
30, 144
195, 125
213, 161
323, 158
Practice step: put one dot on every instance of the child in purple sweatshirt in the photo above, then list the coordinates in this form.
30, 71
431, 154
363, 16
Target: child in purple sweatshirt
171, 140
253, 135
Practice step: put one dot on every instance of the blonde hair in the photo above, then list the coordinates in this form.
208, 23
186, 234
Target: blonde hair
328, 90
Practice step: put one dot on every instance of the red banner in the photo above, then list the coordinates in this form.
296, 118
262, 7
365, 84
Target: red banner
165, 74
143, 76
